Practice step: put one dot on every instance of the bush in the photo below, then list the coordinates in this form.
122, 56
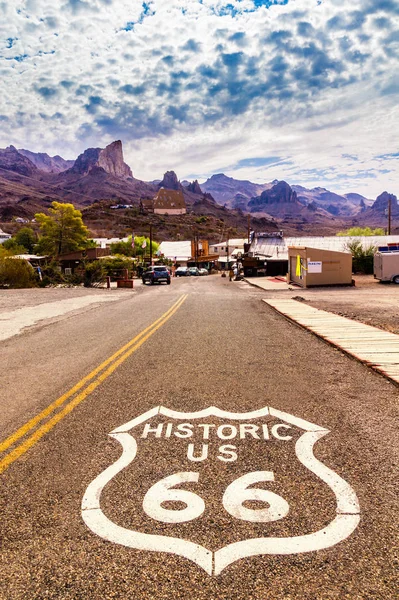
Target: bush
363, 258
16, 273
94, 273
51, 274
114, 267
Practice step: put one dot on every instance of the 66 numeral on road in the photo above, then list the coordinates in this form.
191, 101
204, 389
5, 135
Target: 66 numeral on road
233, 499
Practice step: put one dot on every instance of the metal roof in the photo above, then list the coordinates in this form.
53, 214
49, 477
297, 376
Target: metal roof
232, 242
180, 250
277, 248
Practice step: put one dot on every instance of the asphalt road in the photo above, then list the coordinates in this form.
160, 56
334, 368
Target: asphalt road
296, 501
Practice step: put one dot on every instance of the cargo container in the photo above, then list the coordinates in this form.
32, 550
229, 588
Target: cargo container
386, 266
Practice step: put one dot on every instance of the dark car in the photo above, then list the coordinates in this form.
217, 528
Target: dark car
182, 272
156, 275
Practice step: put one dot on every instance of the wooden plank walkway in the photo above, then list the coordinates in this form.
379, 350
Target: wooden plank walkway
376, 348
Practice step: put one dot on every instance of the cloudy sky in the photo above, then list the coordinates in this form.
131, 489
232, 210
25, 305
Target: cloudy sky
301, 90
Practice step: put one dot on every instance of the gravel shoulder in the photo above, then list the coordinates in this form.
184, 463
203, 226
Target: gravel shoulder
13, 299
369, 302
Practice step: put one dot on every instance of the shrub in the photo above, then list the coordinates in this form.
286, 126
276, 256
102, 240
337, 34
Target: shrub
94, 273
363, 257
16, 273
358, 231
114, 267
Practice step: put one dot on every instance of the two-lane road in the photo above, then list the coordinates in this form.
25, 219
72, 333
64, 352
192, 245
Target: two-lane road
268, 473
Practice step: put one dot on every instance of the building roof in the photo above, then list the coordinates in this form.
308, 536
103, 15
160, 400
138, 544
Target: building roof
89, 253
169, 199
104, 242
28, 256
232, 242
277, 248
3, 234
180, 250
147, 202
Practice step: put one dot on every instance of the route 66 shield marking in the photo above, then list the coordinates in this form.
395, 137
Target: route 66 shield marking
156, 502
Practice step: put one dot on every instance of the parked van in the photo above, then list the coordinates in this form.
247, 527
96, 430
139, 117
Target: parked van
386, 266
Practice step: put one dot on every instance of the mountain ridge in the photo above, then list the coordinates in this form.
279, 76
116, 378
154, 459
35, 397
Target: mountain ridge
100, 174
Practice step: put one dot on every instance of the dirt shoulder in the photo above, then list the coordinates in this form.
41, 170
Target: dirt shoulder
369, 301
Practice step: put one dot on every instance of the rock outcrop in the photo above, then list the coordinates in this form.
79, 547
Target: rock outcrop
381, 203
170, 181
110, 159
46, 163
194, 187
12, 160
280, 193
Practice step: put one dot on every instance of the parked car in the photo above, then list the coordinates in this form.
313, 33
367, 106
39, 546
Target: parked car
156, 275
181, 272
193, 271
203, 271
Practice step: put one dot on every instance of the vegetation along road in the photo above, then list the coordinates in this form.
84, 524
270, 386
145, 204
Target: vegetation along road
187, 441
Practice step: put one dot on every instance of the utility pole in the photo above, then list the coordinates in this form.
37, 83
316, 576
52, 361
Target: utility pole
227, 263
195, 249
249, 227
389, 215
150, 245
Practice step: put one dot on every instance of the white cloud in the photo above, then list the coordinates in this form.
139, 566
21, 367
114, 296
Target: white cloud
189, 90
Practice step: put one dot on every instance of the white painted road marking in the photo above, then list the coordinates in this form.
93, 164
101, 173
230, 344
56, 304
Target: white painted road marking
347, 506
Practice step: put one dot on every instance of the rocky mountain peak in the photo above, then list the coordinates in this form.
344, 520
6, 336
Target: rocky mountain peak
12, 160
170, 181
46, 163
194, 187
281, 192
381, 202
110, 159
86, 161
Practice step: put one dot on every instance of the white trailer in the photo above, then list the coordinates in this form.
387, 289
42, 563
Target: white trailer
386, 266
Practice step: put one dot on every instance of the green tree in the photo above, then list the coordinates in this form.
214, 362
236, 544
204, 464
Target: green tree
23, 242
357, 231
62, 230
138, 246
12, 247
123, 248
126, 248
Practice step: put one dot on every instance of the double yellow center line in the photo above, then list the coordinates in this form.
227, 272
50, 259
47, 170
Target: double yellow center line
57, 410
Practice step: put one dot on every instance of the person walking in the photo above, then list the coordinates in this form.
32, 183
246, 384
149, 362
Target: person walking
231, 274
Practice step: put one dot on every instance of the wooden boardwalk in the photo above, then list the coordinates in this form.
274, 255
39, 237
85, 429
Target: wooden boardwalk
376, 348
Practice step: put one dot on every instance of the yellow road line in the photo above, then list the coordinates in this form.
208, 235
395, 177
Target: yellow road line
123, 354
47, 411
